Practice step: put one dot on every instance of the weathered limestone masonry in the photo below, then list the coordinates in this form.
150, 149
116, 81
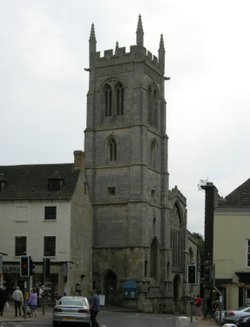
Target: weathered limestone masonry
139, 233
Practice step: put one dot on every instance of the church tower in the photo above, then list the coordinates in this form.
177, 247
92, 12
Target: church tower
126, 149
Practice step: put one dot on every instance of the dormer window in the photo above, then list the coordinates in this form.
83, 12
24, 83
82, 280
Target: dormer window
54, 184
2, 185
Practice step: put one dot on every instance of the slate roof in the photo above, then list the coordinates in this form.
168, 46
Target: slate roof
30, 182
240, 197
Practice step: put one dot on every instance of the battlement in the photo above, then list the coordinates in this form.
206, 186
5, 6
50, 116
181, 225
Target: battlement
137, 53
119, 55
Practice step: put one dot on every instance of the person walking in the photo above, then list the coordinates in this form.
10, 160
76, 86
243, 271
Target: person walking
3, 299
94, 303
17, 296
32, 302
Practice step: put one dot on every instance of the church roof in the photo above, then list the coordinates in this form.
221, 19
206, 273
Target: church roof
31, 182
240, 197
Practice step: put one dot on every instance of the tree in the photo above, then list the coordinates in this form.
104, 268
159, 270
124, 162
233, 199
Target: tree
200, 245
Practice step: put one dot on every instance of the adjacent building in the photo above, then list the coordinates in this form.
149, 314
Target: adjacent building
227, 241
45, 212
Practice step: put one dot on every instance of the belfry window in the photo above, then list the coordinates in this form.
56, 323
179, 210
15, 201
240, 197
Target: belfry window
113, 98
119, 99
155, 109
108, 100
153, 105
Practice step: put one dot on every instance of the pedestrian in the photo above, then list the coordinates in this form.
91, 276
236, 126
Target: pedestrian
94, 303
40, 295
3, 299
198, 304
32, 302
17, 296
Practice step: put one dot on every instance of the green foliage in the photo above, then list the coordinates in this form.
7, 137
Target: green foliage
200, 244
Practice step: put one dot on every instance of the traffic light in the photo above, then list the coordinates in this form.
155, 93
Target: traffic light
46, 267
31, 266
24, 266
207, 273
192, 272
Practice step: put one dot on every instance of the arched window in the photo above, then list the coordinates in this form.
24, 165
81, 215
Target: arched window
113, 92
149, 105
112, 149
108, 100
153, 153
153, 105
155, 108
176, 237
119, 99
154, 259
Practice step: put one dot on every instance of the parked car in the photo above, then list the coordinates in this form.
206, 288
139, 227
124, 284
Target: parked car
71, 309
235, 315
244, 322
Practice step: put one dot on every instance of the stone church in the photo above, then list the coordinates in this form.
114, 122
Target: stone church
141, 245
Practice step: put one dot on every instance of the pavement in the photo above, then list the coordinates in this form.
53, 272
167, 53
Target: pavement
9, 314
46, 314
204, 322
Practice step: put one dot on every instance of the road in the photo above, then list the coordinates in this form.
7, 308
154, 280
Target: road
131, 319
109, 319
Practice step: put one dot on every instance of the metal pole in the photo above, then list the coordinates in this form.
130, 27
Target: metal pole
24, 306
192, 304
44, 279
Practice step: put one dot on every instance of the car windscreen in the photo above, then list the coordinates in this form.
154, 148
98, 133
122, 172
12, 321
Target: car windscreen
73, 301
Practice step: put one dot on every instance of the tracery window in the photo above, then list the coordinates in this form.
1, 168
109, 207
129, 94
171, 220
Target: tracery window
155, 109
119, 99
108, 100
113, 98
153, 105
176, 237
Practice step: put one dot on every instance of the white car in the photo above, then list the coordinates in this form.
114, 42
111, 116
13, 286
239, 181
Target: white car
70, 310
235, 315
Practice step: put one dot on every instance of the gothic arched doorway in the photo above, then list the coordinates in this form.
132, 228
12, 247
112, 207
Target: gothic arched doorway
110, 283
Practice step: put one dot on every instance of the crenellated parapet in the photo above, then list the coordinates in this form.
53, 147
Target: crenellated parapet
120, 56
137, 53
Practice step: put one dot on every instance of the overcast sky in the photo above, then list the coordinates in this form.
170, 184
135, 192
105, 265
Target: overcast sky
43, 85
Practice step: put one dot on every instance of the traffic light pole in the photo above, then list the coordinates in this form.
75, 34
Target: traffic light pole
24, 291
46, 271
26, 270
192, 280
191, 302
